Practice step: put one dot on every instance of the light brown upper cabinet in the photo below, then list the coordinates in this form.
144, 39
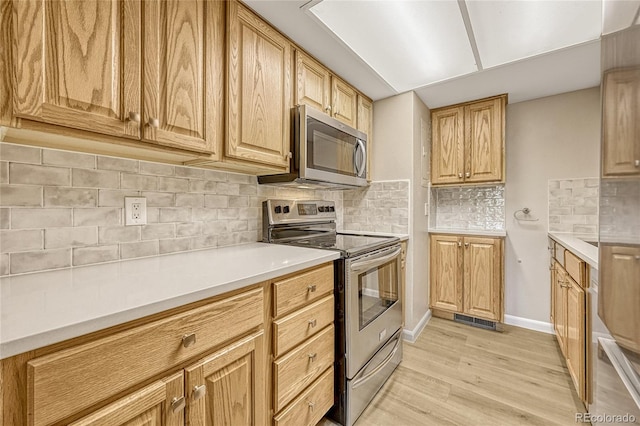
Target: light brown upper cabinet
259, 90
467, 144
317, 87
620, 124
365, 124
466, 275
80, 64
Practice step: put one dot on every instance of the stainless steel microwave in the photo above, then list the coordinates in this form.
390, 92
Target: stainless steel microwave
326, 153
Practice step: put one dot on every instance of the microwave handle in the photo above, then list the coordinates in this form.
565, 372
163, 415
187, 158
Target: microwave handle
368, 263
359, 165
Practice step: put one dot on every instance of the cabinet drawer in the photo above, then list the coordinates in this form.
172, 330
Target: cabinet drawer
297, 291
311, 406
298, 326
575, 267
294, 371
66, 382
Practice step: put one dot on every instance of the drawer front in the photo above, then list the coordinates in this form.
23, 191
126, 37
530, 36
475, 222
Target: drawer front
311, 406
559, 251
575, 267
297, 291
297, 369
92, 372
291, 330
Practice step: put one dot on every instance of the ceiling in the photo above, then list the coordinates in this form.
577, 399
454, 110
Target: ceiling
483, 48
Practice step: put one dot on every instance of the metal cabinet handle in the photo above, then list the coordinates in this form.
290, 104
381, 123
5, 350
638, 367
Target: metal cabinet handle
312, 405
466, 245
311, 288
199, 392
460, 175
467, 174
312, 323
188, 340
312, 357
154, 122
637, 257
328, 108
637, 163
459, 244
134, 116
177, 404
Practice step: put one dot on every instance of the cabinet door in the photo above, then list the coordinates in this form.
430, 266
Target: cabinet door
446, 273
365, 124
150, 406
483, 278
313, 83
228, 387
560, 314
484, 141
77, 64
184, 74
6, 68
620, 125
447, 145
575, 336
259, 90
344, 101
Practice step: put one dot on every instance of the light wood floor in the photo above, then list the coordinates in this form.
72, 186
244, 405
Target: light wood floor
460, 375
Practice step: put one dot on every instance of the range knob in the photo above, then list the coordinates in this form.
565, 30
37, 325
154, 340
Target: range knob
332, 209
321, 209
278, 209
285, 209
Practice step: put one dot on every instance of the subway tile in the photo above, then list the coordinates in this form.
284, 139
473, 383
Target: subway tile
4, 264
239, 178
248, 189
204, 241
40, 218
560, 211
40, 260
70, 237
585, 210
118, 234
119, 164
554, 184
20, 240
69, 197
95, 178
237, 225
203, 215
189, 200
115, 197
103, 216
158, 231
175, 214
216, 201
196, 185
140, 182
188, 229
19, 153
224, 188
20, 195
39, 175
190, 172
592, 183
139, 249
585, 192
173, 184
4, 172
5, 218
216, 176
238, 201
96, 254
174, 245
160, 199
214, 227
156, 169
153, 214
68, 159
585, 229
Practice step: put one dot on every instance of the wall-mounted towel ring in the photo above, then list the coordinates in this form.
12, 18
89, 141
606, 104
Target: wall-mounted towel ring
525, 211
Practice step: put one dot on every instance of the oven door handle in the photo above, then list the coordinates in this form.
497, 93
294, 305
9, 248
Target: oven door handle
366, 264
362, 380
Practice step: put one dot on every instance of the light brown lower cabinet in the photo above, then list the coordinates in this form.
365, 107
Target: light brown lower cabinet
208, 363
467, 275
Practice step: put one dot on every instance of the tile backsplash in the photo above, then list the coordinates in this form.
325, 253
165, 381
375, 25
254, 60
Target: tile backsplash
61, 209
619, 210
468, 208
573, 205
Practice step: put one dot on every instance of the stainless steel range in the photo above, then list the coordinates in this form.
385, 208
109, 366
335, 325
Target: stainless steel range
368, 312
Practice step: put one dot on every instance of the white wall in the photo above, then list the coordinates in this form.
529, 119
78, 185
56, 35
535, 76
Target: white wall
548, 138
397, 154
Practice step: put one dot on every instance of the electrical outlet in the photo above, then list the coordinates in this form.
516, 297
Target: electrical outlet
135, 211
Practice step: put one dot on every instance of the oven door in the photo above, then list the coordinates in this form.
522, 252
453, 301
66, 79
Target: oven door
374, 304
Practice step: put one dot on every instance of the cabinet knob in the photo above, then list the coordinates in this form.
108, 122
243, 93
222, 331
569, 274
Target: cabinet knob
199, 392
328, 109
467, 174
188, 340
312, 405
134, 116
288, 155
459, 244
636, 163
312, 357
466, 245
177, 404
154, 122
637, 258
312, 323
311, 288
460, 175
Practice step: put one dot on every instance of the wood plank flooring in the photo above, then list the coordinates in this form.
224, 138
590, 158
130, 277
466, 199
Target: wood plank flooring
460, 375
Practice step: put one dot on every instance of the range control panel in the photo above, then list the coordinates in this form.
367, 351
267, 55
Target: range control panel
288, 211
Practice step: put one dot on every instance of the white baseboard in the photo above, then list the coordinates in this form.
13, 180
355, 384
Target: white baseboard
412, 335
545, 327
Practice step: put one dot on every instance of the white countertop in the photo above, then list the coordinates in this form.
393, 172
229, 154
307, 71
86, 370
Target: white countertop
479, 232
576, 244
39, 309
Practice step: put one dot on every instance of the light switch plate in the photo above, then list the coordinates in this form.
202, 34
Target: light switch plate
135, 211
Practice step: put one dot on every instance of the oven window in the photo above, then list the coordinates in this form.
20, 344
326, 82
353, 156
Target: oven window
377, 291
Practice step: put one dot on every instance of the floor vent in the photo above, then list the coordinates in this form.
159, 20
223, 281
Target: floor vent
476, 322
